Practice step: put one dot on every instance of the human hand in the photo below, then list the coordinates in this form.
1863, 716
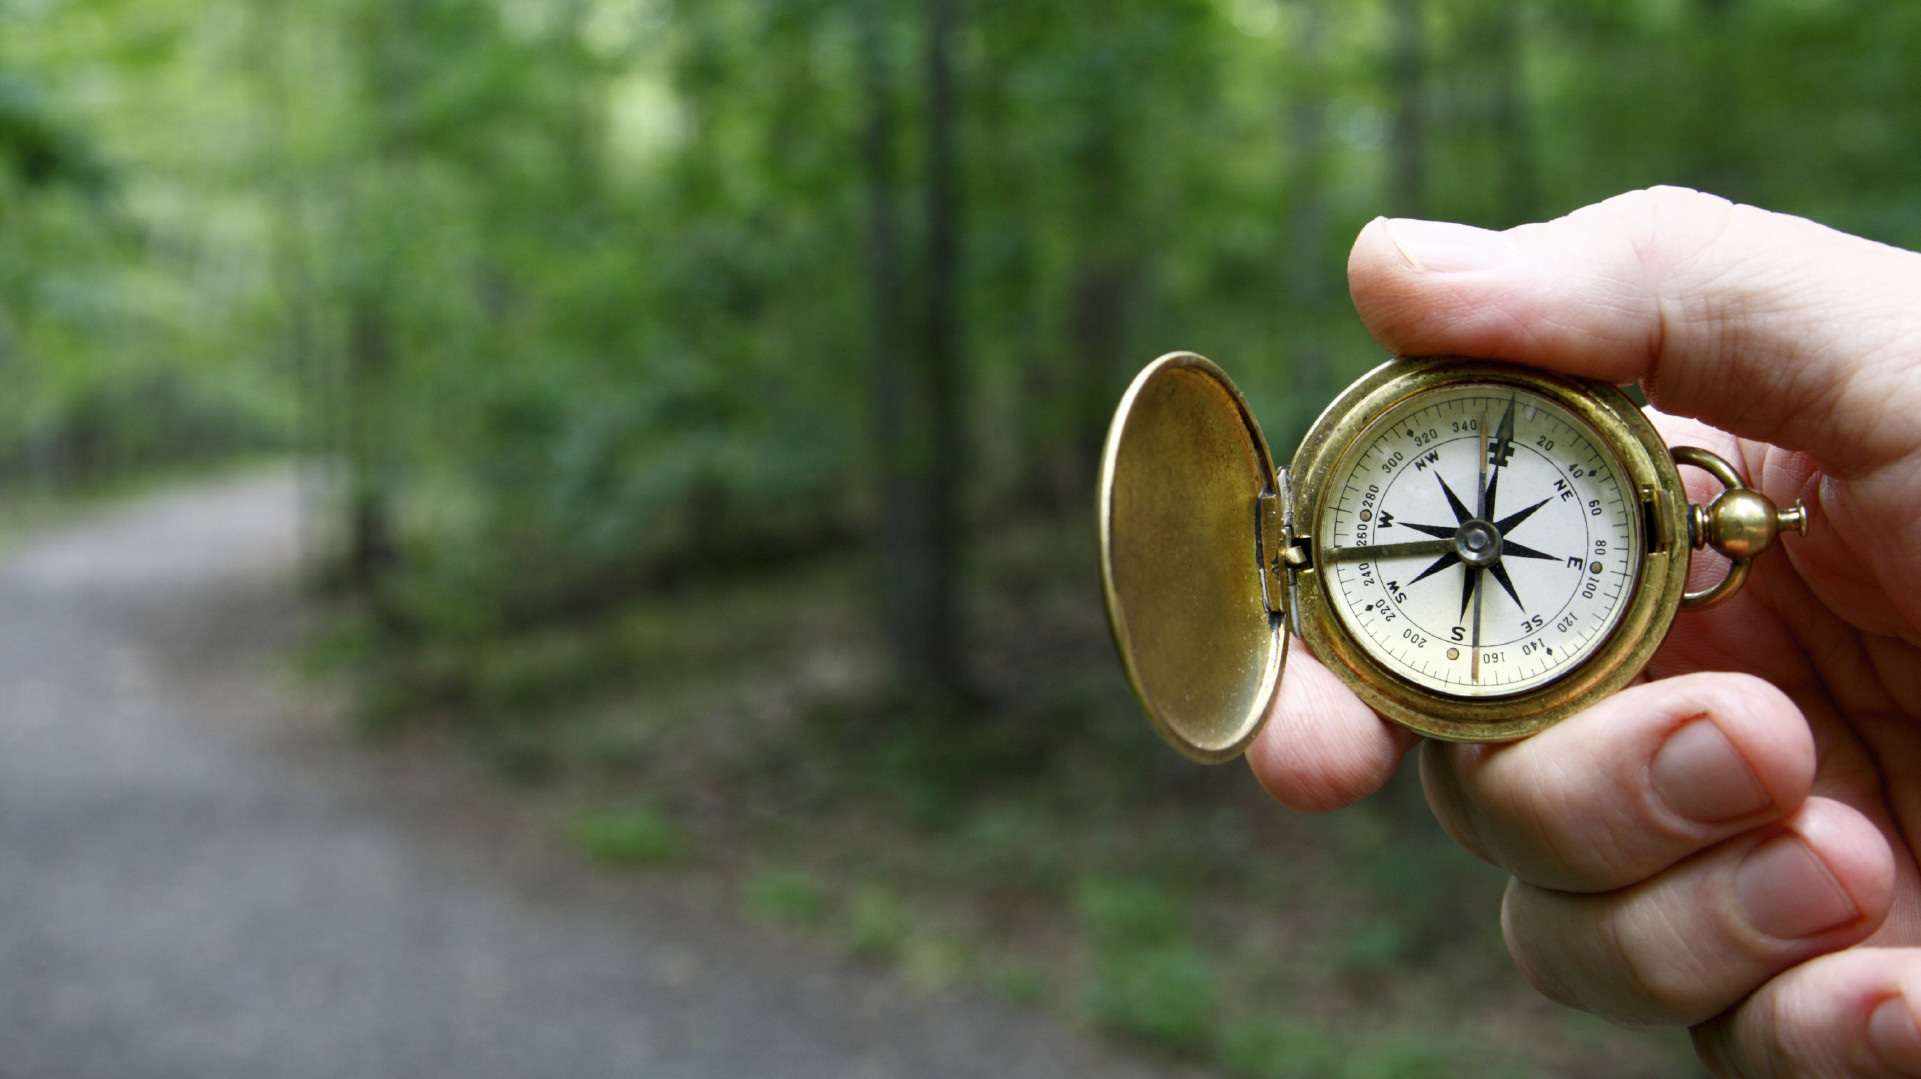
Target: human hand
1726, 845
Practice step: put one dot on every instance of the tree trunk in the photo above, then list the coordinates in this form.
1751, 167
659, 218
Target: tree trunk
1099, 298
1407, 150
1518, 187
940, 638
900, 553
1304, 275
370, 540
914, 380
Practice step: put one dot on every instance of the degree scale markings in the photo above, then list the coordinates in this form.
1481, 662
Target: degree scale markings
1562, 503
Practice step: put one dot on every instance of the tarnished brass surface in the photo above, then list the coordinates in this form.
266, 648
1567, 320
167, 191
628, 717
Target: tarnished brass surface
1197, 619
1618, 425
1740, 522
1203, 561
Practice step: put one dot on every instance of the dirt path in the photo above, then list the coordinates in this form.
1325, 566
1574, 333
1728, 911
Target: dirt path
202, 875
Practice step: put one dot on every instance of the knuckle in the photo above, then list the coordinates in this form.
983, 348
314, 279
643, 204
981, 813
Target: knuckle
1673, 238
1559, 822
1762, 1038
1523, 948
1628, 960
1448, 798
1568, 838
1659, 961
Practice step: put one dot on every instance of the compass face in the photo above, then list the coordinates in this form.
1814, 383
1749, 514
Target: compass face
1479, 541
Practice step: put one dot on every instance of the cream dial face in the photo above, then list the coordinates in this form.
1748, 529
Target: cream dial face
1479, 541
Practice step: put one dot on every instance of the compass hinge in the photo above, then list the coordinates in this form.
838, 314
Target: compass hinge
1657, 513
1274, 538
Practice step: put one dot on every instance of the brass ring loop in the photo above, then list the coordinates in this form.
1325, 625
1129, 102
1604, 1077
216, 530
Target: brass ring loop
1712, 463
1717, 466
1711, 597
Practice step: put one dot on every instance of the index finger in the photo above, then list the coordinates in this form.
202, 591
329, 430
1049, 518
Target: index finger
1321, 747
1766, 325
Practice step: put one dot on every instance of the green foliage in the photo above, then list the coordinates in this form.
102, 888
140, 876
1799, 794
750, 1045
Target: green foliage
632, 835
1129, 913
878, 923
1014, 841
1285, 1048
1018, 983
789, 896
1164, 995
1278, 1047
1425, 888
582, 297
1148, 980
136, 327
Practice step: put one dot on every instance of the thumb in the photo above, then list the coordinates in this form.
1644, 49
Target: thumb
1766, 325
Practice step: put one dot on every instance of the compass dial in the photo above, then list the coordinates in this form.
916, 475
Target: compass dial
1479, 541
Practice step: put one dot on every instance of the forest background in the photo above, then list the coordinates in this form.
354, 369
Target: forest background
702, 400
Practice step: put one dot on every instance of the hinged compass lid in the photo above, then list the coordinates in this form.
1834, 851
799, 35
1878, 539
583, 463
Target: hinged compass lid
1192, 525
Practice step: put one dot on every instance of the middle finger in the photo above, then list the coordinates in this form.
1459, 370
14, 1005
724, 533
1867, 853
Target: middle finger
1627, 788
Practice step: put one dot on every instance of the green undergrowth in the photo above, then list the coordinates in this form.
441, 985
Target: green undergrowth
634, 835
1044, 847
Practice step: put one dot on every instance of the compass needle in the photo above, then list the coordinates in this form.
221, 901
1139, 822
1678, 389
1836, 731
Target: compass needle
1503, 449
1480, 497
1415, 549
1474, 584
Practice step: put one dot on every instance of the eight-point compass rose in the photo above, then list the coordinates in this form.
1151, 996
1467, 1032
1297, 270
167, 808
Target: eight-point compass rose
1481, 541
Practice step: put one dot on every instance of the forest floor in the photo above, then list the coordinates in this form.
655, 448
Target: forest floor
206, 871
1045, 847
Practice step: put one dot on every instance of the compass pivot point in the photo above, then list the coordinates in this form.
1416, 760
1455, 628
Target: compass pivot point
1478, 543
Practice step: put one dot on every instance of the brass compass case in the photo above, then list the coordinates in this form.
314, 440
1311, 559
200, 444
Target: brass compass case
1655, 516
1210, 555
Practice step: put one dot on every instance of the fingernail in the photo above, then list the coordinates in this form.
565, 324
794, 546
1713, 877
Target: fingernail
1892, 1034
1788, 893
1445, 247
1701, 776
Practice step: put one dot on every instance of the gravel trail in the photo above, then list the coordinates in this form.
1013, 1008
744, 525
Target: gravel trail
202, 875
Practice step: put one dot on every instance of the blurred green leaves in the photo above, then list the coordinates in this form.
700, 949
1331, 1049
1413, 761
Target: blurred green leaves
1149, 981
578, 297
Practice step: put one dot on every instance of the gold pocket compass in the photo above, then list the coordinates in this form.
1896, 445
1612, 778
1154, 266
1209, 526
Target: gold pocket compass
1477, 549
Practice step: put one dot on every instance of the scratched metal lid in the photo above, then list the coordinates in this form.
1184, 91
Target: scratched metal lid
1182, 475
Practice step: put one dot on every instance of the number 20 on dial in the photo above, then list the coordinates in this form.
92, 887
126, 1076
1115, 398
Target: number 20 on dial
1477, 549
